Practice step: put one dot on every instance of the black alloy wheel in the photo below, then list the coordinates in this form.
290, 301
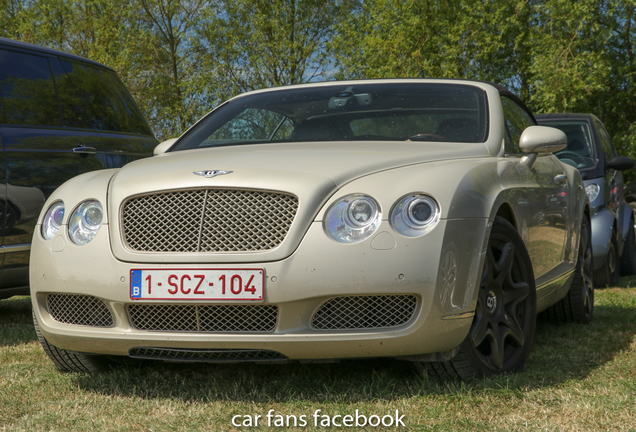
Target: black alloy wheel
608, 274
503, 328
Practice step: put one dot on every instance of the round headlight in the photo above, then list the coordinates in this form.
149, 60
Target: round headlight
353, 218
592, 191
415, 215
52, 221
85, 222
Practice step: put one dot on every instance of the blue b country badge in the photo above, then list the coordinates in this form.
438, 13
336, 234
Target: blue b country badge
135, 283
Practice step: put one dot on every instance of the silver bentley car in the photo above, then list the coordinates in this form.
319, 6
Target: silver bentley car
384, 218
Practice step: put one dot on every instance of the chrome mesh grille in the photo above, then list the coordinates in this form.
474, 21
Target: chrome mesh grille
203, 318
207, 220
364, 312
79, 310
204, 355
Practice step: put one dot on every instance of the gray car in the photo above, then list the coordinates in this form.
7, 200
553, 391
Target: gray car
590, 150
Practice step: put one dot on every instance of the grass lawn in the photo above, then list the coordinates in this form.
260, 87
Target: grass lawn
578, 378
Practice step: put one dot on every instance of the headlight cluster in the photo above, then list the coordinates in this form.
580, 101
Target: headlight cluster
83, 224
53, 220
592, 191
355, 218
415, 215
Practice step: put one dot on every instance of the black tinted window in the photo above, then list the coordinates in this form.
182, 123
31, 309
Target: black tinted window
606, 142
96, 98
28, 90
359, 112
580, 151
517, 120
72, 100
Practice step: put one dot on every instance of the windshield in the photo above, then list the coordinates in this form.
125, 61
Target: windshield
580, 152
391, 112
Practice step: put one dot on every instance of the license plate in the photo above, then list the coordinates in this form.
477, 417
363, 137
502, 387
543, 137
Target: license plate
199, 284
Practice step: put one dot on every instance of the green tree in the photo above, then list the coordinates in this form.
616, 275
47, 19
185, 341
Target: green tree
263, 43
393, 38
177, 83
570, 67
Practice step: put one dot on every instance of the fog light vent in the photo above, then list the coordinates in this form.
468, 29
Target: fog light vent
364, 312
79, 310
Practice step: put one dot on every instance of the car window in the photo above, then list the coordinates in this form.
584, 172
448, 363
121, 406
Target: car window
440, 126
580, 152
73, 100
99, 98
606, 142
385, 112
28, 90
253, 124
517, 120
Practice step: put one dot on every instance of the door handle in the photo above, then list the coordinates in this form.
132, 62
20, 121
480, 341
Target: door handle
81, 149
561, 178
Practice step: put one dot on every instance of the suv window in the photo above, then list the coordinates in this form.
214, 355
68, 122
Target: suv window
72, 100
28, 90
99, 99
517, 120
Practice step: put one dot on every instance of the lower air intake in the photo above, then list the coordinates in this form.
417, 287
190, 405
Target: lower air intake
207, 355
364, 312
204, 318
79, 310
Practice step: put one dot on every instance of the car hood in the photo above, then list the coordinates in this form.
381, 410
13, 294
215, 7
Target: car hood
339, 162
312, 172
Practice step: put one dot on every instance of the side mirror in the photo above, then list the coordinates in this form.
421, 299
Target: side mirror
164, 146
620, 163
541, 139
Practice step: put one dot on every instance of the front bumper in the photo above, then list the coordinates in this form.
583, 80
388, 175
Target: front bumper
439, 269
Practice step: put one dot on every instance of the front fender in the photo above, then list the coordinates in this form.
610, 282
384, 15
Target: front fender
91, 185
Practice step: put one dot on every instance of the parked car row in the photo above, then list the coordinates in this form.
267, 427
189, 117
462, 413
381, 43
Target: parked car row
60, 116
590, 150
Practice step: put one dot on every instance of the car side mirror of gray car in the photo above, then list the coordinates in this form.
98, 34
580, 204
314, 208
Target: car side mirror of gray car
164, 146
620, 163
540, 139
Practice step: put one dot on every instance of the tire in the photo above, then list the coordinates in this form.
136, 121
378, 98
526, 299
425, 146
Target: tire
71, 361
578, 304
502, 331
628, 260
608, 274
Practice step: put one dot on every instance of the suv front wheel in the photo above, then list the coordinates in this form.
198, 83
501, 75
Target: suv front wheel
608, 274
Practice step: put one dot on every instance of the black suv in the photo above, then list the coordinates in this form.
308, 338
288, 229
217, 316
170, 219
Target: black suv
590, 150
60, 116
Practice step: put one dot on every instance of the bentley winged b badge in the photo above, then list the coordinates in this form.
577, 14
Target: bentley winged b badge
211, 173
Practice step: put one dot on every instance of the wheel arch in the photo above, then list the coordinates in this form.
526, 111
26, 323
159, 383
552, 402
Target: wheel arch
506, 212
